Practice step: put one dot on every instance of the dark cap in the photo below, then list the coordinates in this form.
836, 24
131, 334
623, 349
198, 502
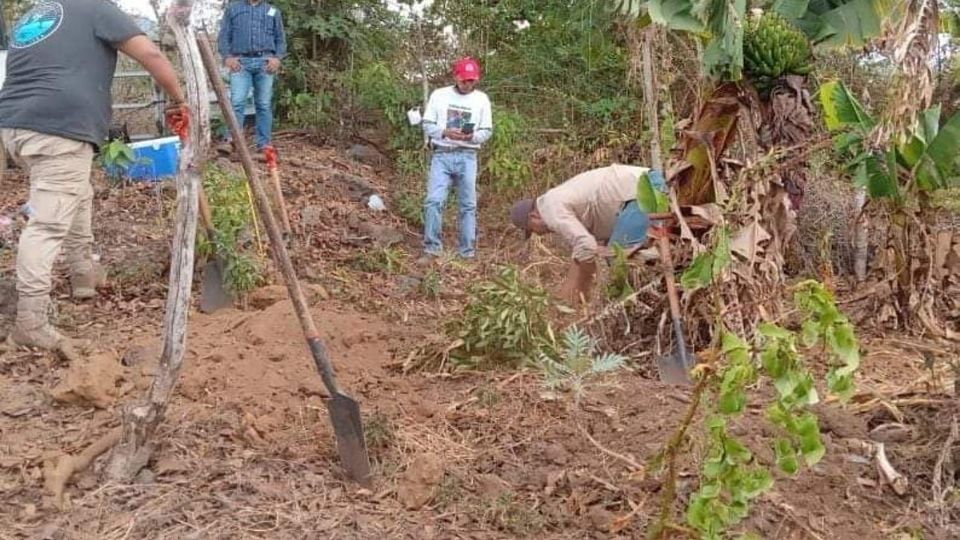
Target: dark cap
520, 215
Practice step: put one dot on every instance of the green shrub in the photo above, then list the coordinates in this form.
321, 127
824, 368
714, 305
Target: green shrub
232, 221
508, 165
505, 323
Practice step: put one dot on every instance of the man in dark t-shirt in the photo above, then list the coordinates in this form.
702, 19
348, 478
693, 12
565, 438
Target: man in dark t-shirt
55, 108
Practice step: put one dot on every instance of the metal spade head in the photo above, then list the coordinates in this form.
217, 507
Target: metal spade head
213, 292
675, 367
672, 370
348, 428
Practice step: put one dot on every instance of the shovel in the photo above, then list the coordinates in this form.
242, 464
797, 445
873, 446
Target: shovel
674, 368
344, 410
213, 294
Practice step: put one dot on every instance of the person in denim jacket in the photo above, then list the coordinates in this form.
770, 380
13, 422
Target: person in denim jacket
252, 43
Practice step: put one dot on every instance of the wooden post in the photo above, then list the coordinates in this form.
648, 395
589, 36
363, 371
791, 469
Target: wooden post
140, 420
650, 95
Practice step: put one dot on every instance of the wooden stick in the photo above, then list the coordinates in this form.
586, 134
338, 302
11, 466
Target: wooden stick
140, 420
938, 491
281, 203
631, 462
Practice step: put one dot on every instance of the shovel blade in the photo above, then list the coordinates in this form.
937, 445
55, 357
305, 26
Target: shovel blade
213, 294
673, 371
348, 429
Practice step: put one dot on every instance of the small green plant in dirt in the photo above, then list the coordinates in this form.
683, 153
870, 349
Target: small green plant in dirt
505, 323
620, 283
388, 260
378, 431
450, 492
409, 206
431, 285
232, 220
730, 476
488, 397
508, 514
577, 364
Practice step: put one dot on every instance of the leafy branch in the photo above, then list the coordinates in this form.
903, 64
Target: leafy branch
731, 475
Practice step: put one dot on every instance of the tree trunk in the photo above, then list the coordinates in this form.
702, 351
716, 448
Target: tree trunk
860, 239
140, 420
650, 96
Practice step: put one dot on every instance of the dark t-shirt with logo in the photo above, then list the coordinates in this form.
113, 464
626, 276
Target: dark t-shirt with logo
63, 54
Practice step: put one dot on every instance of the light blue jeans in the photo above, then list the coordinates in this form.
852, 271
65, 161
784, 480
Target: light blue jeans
446, 168
254, 75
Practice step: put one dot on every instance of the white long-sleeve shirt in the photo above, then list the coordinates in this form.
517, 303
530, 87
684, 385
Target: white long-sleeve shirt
449, 109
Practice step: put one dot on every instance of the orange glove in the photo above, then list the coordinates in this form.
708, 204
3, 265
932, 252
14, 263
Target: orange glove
177, 116
271, 156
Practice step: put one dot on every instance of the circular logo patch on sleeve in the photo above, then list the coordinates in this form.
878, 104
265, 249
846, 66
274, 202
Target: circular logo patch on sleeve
37, 25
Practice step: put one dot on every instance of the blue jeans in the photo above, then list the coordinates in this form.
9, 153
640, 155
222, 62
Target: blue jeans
254, 75
446, 168
632, 222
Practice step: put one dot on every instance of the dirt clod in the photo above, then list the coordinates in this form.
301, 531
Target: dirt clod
556, 453
841, 423
419, 483
90, 381
380, 235
600, 517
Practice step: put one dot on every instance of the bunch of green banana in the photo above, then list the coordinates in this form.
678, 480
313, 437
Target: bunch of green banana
772, 48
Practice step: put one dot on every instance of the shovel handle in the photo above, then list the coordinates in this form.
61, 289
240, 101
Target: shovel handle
281, 203
270, 222
663, 245
206, 216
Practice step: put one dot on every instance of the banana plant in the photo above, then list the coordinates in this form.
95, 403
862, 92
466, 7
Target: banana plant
724, 27
901, 174
923, 160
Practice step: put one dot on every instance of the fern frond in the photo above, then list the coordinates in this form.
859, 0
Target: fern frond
555, 373
607, 363
578, 344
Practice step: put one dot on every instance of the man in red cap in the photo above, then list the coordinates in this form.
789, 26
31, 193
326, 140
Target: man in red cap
458, 120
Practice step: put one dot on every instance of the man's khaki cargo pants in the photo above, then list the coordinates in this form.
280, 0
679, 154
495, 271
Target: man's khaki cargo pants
59, 208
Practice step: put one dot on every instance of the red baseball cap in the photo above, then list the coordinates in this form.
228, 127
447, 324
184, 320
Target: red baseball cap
466, 69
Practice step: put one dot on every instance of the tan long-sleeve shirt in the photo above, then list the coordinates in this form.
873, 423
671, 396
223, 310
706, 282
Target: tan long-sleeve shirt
583, 210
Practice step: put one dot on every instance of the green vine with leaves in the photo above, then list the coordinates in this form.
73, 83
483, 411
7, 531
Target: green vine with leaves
731, 475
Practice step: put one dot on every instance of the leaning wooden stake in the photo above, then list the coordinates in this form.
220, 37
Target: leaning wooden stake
140, 420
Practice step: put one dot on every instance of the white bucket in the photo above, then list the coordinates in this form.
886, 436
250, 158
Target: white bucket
413, 116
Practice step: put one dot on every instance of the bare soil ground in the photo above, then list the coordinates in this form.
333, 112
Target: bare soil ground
246, 450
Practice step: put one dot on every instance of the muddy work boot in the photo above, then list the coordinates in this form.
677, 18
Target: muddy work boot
33, 328
85, 280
